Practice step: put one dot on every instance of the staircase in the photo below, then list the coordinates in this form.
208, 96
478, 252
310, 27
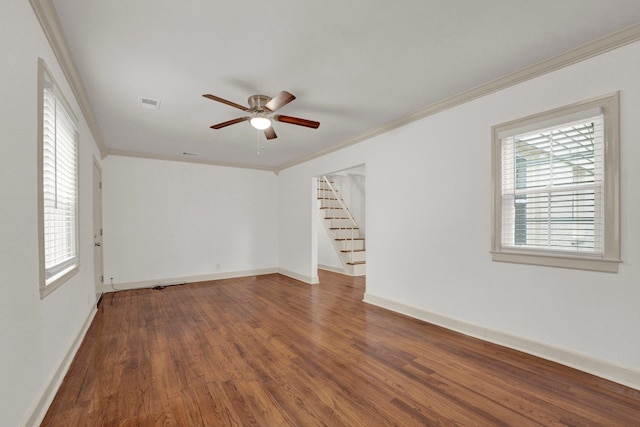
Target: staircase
341, 228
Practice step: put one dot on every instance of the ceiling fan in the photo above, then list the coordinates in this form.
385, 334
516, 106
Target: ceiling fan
261, 108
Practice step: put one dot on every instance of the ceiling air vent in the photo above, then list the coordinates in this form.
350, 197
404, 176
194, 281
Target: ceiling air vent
151, 104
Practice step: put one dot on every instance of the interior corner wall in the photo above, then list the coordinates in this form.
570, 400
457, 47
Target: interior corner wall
36, 335
167, 220
428, 208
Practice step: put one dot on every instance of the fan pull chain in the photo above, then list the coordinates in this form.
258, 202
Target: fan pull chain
260, 147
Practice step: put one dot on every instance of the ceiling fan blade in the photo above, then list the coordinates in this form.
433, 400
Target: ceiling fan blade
297, 121
270, 133
230, 122
224, 101
280, 100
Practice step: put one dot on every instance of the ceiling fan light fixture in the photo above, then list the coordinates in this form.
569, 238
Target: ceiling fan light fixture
260, 122
260, 109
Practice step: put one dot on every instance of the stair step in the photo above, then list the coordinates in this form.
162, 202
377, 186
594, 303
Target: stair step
336, 217
356, 263
348, 244
340, 224
344, 233
358, 255
343, 239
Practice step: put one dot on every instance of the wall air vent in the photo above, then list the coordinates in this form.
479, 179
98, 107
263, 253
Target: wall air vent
151, 104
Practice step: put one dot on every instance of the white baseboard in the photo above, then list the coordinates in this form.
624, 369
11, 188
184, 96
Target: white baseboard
331, 268
126, 286
311, 280
40, 406
601, 368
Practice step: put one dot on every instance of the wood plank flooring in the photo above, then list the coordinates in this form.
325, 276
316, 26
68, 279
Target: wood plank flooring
270, 351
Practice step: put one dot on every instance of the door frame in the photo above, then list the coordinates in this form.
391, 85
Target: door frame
98, 246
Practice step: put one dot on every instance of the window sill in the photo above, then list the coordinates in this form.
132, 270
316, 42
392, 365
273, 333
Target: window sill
65, 275
579, 263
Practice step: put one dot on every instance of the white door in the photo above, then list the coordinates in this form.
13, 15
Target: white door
97, 230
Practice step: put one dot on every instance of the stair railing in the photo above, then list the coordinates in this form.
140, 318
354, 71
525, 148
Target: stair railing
354, 224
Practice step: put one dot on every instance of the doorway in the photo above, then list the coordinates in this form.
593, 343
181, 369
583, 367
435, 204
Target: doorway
98, 275
338, 248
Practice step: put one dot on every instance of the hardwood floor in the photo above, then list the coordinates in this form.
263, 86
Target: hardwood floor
270, 351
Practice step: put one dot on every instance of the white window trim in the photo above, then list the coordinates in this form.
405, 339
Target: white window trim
65, 274
610, 105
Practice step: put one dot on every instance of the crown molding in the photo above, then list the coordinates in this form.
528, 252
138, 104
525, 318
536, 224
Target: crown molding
124, 153
48, 18
597, 47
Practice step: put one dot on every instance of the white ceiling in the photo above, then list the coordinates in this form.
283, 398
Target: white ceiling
354, 65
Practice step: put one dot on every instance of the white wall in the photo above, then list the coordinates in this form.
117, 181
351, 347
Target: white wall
35, 334
434, 257
165, 220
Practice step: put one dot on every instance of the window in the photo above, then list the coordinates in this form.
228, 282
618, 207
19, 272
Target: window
555, 188
58, 186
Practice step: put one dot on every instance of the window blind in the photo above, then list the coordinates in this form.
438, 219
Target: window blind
552, 188
60, 192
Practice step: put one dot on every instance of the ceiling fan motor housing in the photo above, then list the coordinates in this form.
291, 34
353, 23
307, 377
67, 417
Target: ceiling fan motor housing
257, 103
